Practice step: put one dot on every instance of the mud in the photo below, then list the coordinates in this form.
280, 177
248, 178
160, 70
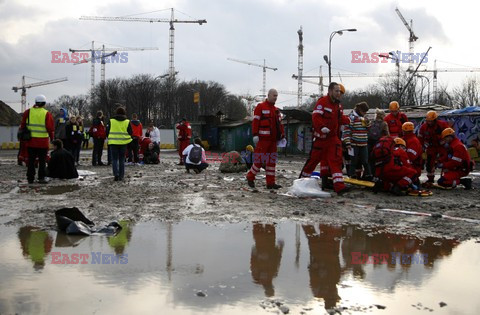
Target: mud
165, 192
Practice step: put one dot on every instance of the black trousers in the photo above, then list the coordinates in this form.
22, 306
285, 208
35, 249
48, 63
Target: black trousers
132, 147
33, 154
97, 150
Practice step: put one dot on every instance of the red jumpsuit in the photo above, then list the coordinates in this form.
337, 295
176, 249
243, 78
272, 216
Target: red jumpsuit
398, 171
430, 137
327, 147
414, 152
395, 123
455, 165
184, 136
267, 125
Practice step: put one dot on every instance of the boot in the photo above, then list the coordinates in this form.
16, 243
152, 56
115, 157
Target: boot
378, 185
274, 186
466, 182
397, 191
326, 183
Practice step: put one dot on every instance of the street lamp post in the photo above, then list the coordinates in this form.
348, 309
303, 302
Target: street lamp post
391, 55
329, 60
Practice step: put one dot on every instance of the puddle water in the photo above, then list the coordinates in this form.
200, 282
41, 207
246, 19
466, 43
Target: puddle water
247, 268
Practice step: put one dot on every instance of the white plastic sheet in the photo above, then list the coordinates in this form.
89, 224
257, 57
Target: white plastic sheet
307, 187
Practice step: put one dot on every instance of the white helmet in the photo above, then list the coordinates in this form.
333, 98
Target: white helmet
40, 99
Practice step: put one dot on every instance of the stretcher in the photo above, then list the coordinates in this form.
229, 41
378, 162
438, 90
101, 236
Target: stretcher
358, 182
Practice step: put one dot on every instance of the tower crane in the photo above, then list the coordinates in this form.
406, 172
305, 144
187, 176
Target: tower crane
257, 65
24, 88
172, 21
411, 39
300, 66
93, 57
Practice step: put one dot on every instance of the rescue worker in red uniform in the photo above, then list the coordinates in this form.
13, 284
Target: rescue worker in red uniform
398, 174
327, 119
430, 135
395, 119
456, 164
184, 136
40, 123
267, 129
414, 147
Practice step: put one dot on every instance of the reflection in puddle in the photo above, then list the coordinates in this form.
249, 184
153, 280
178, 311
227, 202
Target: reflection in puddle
191, 267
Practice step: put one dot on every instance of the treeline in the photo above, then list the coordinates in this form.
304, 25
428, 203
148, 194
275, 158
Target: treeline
162, 100
418, 92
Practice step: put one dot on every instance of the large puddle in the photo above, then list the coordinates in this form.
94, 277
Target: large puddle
194, 268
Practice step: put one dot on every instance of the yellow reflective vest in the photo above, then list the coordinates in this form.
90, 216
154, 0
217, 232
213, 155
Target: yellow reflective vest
36, 122
118, 132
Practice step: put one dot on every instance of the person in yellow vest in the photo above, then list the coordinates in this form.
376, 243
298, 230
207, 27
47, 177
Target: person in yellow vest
119, 134
40, 123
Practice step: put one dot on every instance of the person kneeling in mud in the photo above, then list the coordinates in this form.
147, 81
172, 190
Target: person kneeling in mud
456, 164
62, 162
398, 174
194, 157
151, 154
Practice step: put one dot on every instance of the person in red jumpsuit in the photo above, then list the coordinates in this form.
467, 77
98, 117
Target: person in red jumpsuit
184, 136
456, 164
398, 174
430, 135
327, 119
395, 119
414, 147
267, 129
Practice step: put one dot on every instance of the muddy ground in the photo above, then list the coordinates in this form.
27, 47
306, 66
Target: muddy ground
165, 192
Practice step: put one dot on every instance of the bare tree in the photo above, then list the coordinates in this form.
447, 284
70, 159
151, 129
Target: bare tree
468, 94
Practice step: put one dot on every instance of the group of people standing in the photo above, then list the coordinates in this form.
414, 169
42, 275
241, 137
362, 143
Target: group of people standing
385, 150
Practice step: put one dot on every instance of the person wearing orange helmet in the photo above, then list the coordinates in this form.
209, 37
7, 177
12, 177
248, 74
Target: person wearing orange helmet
398, 175
430, 136
395, 119
414, 147
456, 164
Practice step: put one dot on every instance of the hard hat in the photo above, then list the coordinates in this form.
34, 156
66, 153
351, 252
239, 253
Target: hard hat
431, 115
448, 132
40, 99
408, 126
400, 141
394, 106
249, 148
342, 88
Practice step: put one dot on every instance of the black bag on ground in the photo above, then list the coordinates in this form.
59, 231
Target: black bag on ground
72, 221
195, 155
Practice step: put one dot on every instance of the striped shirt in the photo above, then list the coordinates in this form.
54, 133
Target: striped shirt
356, 133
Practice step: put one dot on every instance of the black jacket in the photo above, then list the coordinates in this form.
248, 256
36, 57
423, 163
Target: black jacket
62, 165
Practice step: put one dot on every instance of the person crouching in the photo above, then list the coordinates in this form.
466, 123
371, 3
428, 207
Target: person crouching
62, 162
194, 157
456, 164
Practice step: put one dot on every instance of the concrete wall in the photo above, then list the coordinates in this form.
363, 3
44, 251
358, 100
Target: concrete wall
9, 134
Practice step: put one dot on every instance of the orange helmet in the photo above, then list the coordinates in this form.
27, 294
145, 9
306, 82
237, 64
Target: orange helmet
394, 106
342, 88
408, 126
400, 141
431, 115
448, 132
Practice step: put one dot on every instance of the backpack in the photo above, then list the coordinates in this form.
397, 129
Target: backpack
382, 151
195, 155
375, 131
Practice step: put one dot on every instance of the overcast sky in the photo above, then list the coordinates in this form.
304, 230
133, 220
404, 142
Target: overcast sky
250, 30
